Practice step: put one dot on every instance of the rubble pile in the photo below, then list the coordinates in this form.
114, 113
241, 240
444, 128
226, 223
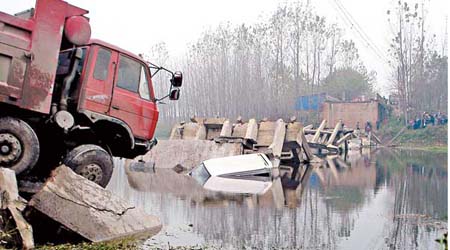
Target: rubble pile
68, 208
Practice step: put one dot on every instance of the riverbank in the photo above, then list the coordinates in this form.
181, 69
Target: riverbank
433, 149
432, 138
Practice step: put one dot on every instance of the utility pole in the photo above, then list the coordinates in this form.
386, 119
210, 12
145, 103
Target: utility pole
444, 44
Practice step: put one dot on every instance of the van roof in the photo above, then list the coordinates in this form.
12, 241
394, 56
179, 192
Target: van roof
237, 164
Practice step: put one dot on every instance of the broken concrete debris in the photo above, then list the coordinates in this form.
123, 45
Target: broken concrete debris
188, 153
10, 205
193, 142
78, 205
91, 211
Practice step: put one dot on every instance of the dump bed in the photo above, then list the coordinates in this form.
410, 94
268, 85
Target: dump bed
29, 48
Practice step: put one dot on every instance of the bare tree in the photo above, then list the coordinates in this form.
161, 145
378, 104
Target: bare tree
411, 51
258, 70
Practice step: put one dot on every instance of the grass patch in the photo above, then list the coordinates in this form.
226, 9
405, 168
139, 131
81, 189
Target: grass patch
126, 244
431, 138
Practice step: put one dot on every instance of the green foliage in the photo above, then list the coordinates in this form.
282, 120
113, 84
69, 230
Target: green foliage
347, 83
389, 130
429, 136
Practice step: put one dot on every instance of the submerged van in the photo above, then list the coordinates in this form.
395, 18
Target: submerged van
251, 174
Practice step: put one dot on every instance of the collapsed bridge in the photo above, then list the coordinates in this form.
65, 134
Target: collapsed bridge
200, 139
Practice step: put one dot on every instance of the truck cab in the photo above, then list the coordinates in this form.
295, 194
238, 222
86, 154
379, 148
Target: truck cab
67, 98
112, 91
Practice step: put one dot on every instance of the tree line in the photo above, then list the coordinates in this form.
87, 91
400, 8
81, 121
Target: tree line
259, 70
419, 66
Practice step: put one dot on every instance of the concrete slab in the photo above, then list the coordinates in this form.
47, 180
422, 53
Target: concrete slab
189, 153
90, 210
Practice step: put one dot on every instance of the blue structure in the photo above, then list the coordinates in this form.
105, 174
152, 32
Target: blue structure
310, 102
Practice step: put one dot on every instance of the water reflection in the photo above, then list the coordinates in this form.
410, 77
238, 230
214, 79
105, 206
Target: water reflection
378, 200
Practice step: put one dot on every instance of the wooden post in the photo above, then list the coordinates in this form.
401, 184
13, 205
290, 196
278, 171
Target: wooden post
335, 132
317, 135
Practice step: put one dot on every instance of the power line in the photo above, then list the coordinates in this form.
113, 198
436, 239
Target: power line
349, 21
361, 30
350, 25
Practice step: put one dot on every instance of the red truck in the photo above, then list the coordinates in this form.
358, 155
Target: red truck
65, 97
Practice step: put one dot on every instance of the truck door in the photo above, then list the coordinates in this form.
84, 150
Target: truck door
96, 95
132, 100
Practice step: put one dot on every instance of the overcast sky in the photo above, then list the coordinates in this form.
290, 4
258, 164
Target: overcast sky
137, 24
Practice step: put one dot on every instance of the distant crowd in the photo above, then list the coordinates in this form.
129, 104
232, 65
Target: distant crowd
427, 119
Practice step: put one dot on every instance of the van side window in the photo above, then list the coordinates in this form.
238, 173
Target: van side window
143, 85
102, 64
129, 74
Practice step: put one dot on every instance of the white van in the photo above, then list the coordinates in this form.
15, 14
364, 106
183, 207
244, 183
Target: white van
251, 174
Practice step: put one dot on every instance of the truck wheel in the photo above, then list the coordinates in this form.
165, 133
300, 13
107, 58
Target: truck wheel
91, 162
19, 145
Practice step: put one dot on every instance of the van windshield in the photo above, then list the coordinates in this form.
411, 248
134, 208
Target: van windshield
200, 174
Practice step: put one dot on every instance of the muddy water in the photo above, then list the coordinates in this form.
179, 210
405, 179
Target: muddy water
376, 200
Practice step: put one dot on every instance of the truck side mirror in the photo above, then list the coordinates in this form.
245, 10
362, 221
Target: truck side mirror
174, 94
177, 79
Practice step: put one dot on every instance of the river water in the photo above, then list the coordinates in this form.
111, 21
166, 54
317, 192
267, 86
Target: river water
383, 199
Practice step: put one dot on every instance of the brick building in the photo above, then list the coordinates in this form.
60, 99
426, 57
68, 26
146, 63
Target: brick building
351, 113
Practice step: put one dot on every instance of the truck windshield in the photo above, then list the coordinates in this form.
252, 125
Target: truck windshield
200, 174
64, 60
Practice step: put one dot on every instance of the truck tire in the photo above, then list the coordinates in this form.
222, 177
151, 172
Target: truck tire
19, 145
92, 162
